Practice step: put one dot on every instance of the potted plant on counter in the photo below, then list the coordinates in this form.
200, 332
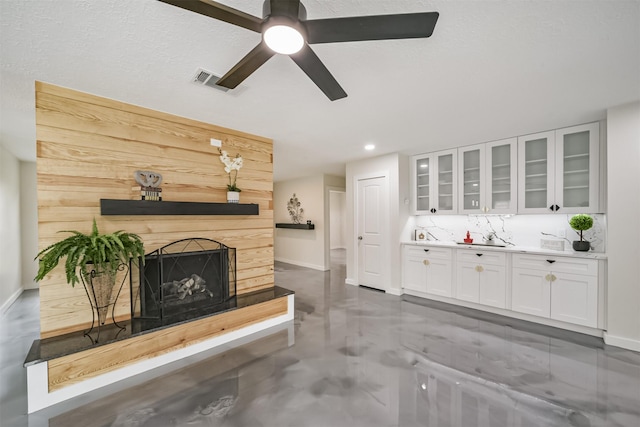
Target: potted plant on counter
94, 259
580, 223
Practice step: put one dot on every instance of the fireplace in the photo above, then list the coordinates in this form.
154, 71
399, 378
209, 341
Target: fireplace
183, 280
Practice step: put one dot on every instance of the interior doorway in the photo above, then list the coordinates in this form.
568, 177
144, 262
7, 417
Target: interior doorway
337, 228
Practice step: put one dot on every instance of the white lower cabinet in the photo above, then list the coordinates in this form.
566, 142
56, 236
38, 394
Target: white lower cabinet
428, 270
482, 277
553, 287
558, 288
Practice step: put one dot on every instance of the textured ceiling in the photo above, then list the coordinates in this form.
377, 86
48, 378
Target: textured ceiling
491, 70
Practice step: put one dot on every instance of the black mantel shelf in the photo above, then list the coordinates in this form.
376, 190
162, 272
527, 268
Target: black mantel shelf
296, 226
149, 207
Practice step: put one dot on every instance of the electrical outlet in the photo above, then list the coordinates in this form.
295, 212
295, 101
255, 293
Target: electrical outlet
562, 233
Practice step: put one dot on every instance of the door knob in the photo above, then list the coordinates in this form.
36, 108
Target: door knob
359, 237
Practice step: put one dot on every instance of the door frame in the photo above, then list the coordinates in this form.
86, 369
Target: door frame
387, 251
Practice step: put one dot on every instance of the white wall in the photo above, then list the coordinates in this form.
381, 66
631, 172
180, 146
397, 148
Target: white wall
307, 248
337, 218
29, 223
623, 296
10, 271
390, 165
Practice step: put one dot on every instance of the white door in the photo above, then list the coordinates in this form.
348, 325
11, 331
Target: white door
372, 244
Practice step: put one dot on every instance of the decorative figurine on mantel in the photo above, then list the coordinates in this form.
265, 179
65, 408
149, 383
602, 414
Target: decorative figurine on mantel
149, 185
295, 209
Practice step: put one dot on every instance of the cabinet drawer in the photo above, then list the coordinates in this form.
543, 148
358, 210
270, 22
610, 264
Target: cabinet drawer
430, 252
560, 264
484, 257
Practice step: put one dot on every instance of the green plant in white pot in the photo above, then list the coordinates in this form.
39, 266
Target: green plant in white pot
94, 259
580, 223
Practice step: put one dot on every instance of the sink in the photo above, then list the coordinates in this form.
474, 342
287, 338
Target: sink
497, 245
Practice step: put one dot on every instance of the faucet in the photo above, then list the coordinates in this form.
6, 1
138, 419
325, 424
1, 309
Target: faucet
490, 238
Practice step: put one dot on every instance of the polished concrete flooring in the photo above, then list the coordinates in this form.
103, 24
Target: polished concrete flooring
355, 357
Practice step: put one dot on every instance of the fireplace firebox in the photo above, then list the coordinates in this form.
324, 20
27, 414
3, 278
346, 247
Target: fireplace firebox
184, 280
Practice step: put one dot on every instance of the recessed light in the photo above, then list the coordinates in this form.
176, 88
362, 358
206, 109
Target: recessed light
369, 147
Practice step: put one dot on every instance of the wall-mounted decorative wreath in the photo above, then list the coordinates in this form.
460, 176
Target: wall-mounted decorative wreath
295, 210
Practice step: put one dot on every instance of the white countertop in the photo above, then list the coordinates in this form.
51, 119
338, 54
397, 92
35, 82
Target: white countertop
511, 249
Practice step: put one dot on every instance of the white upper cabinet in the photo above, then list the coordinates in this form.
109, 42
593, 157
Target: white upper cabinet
487, 177
434, 180
559, 171
578, 169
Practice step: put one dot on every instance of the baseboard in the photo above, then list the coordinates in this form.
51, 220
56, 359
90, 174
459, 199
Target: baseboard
621, 342
11, 300
303, 264
349, 281
392, 291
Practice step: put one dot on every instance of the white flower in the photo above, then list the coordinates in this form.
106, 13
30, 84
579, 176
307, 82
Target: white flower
231, 165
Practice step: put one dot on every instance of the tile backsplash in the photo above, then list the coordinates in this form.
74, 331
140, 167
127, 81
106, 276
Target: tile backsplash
510, 230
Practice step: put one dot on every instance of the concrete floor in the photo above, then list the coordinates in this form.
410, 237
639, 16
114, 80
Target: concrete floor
355, 357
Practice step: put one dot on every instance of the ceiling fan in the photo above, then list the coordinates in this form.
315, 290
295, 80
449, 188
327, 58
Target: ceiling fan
285, 29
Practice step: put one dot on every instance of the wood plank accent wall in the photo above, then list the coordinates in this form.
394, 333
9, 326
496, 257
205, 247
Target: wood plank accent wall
88, 148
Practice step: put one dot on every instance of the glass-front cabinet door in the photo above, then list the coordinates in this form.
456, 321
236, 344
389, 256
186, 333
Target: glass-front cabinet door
559, 171
501, 194
488, 178
434, 183
446, 179
536, 173
577, 168
471, 164
422, 175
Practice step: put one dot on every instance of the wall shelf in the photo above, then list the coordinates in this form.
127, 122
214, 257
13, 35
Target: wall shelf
296, 226
148, 207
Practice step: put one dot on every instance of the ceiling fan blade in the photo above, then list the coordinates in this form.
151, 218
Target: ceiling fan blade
247, 65
315, 69
219, 11
379, 27
284, 8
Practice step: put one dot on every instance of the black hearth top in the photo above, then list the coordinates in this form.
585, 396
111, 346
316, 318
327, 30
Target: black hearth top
63, 345
149, 207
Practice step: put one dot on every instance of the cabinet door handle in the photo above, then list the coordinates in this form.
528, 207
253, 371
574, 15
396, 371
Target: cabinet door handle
433, 210
426, 250
552, 208
557, 208
547, 277
553, 278
425, 262
479, 254
479, 268
551, 261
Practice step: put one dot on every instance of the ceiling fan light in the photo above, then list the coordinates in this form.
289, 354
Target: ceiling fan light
283, 39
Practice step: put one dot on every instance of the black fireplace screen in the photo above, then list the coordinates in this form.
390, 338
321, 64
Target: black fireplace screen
183, 280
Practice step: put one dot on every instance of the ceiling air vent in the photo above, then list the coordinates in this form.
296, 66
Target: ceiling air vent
207, 78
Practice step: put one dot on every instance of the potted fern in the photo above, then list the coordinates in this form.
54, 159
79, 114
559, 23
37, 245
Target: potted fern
94, 259
580, 223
